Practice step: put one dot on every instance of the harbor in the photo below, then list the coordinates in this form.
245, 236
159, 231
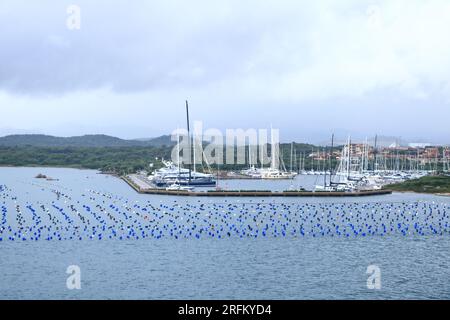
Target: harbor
341, 168
142, 185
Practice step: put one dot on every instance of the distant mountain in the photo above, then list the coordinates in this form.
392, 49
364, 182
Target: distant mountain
98, 140
165, 140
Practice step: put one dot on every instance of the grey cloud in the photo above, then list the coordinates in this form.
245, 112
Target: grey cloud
125, 46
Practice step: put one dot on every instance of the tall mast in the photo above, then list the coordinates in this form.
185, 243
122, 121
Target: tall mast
418, 162
178, 150
366, 162
217, 182
189, 141
249, 156
443, 159
325, 168
349, 157
302, 161
194, 144
295, 160
375, 151
292, 157
275, 152
330, 162
273, 147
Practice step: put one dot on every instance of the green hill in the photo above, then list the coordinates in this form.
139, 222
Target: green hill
165, 140
98, 140
103, 152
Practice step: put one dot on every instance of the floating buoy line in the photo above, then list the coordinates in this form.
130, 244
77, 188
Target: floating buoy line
96, 215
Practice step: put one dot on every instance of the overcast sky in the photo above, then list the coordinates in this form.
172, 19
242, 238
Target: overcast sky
307, 67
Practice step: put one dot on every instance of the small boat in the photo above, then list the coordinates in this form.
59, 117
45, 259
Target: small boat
177, 187
321, 188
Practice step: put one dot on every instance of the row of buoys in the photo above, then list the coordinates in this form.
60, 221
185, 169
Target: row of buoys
101, 215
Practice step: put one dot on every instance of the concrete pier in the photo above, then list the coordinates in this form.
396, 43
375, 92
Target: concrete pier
141, 186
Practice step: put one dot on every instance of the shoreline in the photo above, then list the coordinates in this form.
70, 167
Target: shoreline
48, 167
243, 193
235, 193
423, 193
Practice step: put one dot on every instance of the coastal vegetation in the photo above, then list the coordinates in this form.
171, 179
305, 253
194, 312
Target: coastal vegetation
428, 184
119, 160
108, 154
119, 156
91, 141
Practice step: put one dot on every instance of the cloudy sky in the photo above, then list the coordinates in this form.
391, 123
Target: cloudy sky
307, 67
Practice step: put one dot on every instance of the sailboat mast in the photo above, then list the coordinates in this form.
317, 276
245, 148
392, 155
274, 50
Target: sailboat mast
375, 151
178, 152
325, 169
295, 161
292, 157
189, 141
330, 162
194, 141
249, 156
348, 158
275, 152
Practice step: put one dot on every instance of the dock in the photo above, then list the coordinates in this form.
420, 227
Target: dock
141, 186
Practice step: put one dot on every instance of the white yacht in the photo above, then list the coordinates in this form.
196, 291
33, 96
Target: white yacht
274, 172
173, 174
177, 187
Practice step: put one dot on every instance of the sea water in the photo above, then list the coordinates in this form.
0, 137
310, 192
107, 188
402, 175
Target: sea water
132, 246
